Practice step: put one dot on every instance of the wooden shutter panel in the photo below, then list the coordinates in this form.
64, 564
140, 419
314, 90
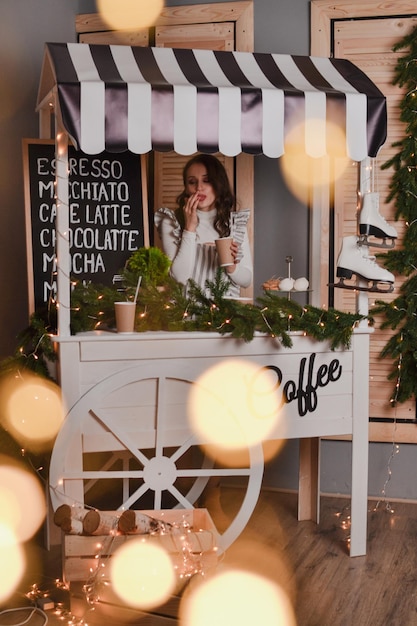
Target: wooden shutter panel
368, 43
365, 32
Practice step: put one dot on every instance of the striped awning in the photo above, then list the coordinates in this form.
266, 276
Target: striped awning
118, 98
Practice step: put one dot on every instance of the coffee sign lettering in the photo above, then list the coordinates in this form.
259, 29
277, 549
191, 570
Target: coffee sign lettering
304, 389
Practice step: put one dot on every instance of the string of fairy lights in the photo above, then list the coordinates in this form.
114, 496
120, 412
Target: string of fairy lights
273, 315
191, 558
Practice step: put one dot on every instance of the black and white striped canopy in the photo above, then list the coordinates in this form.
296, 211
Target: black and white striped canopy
118, 98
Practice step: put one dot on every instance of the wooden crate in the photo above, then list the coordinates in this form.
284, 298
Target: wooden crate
83, 555
106, 611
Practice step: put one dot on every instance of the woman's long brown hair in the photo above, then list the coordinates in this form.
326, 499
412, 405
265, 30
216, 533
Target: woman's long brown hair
225, 198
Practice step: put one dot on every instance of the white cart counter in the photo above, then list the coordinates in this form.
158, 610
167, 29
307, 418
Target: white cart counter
128, 393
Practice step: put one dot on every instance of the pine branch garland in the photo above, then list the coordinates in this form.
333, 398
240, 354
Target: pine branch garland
168, 308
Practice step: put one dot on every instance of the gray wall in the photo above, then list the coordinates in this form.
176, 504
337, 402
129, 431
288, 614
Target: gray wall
281, 226
25, 28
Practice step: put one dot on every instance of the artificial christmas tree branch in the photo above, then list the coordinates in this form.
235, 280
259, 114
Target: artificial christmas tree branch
400, 313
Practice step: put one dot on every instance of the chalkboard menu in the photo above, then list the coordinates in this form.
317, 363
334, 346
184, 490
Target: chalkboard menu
107, 216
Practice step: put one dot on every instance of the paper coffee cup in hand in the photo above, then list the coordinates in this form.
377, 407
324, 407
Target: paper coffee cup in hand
224, 251
125, 316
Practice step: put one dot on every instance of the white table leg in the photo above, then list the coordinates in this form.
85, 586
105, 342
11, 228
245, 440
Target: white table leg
360, 445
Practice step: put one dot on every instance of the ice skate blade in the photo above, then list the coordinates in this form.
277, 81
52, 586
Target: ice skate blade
377, 286
387, 242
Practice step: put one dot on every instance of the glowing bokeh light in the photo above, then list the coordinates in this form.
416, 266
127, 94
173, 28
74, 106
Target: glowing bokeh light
12, 562
255, 554
234, 404
300, 171
142, 574
236, 597
130, 14
22, 501
33, 410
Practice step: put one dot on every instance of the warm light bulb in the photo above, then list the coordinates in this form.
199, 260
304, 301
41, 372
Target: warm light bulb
142, 574
130, 14
237, 597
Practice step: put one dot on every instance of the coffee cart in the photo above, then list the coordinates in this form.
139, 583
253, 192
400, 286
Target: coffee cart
127, 395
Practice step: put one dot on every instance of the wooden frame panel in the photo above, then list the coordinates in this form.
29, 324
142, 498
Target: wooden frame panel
324, 14
241, 13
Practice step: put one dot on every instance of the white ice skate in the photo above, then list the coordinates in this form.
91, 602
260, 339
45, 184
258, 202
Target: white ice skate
353, 259
373, 224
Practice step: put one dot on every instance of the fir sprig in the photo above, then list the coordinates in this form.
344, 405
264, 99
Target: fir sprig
92, 307
320, 324
162, 307
211, 310
34, 351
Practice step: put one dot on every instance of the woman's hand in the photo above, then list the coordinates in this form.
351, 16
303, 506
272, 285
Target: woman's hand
235, 250
190, 213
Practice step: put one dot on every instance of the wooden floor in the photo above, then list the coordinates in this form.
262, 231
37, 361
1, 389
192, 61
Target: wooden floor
325, 585
329, 588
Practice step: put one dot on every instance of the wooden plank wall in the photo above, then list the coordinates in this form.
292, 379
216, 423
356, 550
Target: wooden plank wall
365, 33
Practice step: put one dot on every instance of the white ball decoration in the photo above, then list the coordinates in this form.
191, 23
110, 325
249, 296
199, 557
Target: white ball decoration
301, 284
286, 284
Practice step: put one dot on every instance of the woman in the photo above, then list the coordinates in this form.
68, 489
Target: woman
206, 211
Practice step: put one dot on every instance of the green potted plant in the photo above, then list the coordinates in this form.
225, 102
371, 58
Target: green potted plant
150, 263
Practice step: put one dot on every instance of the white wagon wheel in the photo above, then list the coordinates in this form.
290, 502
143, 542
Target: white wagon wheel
130, 435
